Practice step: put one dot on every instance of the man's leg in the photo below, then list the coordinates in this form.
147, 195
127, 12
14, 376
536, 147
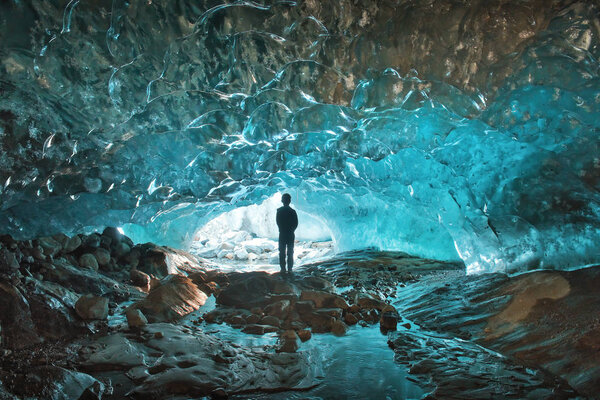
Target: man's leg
290, 254
282, 254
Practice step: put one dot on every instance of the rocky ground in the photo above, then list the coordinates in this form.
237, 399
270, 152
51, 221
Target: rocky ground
95, 316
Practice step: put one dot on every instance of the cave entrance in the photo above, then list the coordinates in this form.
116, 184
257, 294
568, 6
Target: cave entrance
247, 238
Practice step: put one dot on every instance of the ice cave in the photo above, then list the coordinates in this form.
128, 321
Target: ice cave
442, 158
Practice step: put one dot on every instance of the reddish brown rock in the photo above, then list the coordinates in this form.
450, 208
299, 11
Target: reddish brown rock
140, 279
304, 334
338, 328
279, 309
324, 299
368, 302
176, 297
289, 342
350, 319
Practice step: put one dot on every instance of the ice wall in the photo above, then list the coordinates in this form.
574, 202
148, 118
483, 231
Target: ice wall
443, 128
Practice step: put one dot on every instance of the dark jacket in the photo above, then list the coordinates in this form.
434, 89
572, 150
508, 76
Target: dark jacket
287, 221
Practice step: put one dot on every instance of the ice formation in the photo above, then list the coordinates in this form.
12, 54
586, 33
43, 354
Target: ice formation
444, 129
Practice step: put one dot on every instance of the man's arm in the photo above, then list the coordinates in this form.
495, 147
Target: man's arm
295, 221
278, 219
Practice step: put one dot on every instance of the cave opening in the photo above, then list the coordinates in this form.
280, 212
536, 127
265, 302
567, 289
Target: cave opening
246, 238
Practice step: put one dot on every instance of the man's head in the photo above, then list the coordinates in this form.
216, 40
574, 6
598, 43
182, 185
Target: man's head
286, 199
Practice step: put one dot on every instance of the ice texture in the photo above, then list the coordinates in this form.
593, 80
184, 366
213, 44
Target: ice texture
446, 129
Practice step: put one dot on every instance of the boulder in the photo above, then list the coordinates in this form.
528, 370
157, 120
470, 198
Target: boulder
289, 342
72, 244
338, 328
140, 279
176, 297
58, 383
92, 307
304, 334
88, 260
333, 312
320, 323
324, 299
121, 250
92, 240
304, 307
270, 320
113, 234
135, 318
389, 319
50, 246
350, 319
368, 302
248, 290
279, 309
18, 328
8, 261
102, 256
162, 261
256, 329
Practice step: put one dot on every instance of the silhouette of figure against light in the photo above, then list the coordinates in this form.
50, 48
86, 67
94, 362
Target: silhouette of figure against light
287, 221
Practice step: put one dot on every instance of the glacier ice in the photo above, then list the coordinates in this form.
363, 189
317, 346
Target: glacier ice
451, 130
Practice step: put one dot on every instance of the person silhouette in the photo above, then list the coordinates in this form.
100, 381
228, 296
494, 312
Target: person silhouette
287, 222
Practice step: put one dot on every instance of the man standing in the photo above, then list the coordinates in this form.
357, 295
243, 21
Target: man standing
287, 221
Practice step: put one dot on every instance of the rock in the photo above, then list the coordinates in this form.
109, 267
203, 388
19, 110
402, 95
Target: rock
105, 242
38, 253
58, 383
333, 312
198, 277
102, 256
140, 279
248, 290
72, 244
338, 328
389, 319
92, 240
256, 329
158, 335
88, 260
209, 287
319, 323
236, 320
368, 302
18, 328
219, 393
304, 334
113, 234
162, 261
176, 297
317, 283
241, 254
121, 250
135, 318
253, 319
288, 342
133, 257
350, 319
270, 320
8, 261
50, 246
62, 239
92, 307
324, 299
279, 309
304, 307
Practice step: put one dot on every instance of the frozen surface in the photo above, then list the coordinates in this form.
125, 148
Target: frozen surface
444, 129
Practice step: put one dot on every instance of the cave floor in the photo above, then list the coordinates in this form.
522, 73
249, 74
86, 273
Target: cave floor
378, 325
